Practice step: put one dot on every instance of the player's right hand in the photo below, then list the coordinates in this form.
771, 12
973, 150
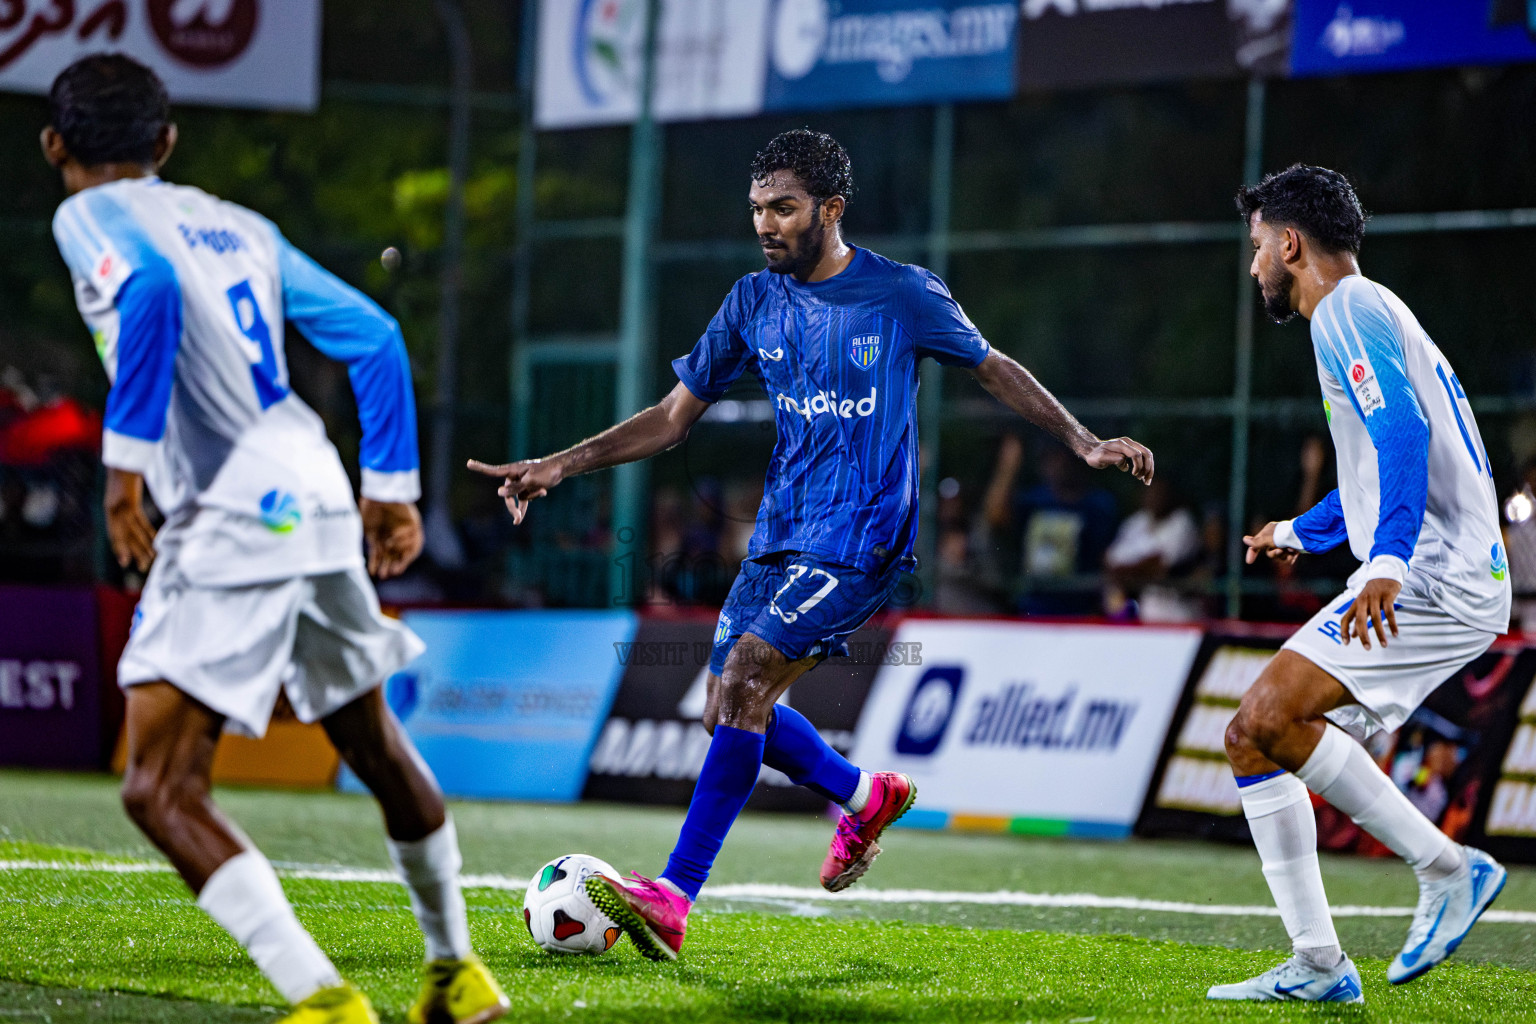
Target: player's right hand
521, 481
1263, 543
128, 528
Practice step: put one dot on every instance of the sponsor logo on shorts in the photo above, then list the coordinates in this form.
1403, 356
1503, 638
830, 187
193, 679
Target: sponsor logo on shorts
280, 511
1500, 563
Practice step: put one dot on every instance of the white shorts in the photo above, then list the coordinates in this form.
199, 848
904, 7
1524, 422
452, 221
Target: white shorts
1389, 682
320, 638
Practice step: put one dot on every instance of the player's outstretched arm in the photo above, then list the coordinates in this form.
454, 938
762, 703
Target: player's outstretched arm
1017, 388
644, 434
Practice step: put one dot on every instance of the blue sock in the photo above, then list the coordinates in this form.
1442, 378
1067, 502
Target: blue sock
795, 748
726, 780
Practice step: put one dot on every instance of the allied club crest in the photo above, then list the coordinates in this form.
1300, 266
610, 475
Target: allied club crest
864, 350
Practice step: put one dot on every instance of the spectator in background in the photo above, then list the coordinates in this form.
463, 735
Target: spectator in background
1520, 542
1155, 549
965, 580
1064, 524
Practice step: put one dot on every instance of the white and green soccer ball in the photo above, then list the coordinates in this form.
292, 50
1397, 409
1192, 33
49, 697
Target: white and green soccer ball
559, 914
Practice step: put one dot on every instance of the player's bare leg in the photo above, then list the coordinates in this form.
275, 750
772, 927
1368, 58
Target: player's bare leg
166, 787
1280, 745
425, 850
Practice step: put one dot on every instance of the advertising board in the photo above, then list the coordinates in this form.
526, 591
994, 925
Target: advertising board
507, 705
1064, 43
1334, 38
1025, 727
1446, 758
739, 58
653, 744
50, 678
241, 53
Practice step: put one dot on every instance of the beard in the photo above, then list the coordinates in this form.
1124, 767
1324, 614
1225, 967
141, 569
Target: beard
1275, 289
804, 254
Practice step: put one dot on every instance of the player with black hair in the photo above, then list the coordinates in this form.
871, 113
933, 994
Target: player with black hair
257, 581
1416, 505
835, 334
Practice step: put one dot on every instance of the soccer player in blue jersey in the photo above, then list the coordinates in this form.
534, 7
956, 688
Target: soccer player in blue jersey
257, 583
1416, 505
835, 334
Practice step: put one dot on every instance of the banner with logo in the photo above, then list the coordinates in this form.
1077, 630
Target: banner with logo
1027, 728
1389, 35
709, 60
1065, 43
58, 706
507, 705
886, 52
653, 744
1446, 758
241, 53
1509, 816
738, 58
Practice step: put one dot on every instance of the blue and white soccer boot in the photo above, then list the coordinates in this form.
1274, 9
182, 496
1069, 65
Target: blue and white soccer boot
1447, 910
1295, 981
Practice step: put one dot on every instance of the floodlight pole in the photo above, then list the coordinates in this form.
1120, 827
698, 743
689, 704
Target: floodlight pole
1242, 381
441, 540
637, 330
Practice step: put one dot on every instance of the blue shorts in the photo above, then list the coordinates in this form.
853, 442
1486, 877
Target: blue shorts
803, 606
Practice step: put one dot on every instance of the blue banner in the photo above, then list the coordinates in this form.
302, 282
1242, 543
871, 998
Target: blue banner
1390, 35
507, 705
888, 52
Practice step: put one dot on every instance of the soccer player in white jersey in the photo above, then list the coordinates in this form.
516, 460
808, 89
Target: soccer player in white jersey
258, 581
1416, 504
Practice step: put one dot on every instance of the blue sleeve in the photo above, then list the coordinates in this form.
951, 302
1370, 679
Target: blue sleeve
1321, 527
944, 332
148, 335
137, 299
1365, 353
719, 356
346, 325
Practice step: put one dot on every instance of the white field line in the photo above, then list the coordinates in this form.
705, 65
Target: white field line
799, 894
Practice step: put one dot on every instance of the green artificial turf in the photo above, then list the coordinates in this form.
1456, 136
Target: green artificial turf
96, 946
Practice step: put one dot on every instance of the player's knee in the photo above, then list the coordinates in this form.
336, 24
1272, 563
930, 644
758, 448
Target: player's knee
1257, 726
1238, 743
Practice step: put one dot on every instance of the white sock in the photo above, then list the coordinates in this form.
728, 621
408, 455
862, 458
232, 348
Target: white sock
244, 896
1285, 833
1341, 772
860, 798
429, 867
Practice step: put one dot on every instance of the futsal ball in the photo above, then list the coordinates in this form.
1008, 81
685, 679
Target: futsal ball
560, 916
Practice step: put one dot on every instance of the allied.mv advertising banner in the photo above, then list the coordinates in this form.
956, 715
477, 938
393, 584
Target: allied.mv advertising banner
241, 53
1029, 728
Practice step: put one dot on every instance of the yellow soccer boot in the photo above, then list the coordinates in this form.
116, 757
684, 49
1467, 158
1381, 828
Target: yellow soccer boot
341, 1004
457, 992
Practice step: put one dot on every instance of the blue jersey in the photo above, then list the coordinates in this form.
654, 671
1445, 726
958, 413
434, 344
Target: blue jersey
839, 360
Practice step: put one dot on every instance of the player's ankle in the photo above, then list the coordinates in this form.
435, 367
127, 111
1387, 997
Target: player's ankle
672, 887
1451, 860
860, 798
1321, 958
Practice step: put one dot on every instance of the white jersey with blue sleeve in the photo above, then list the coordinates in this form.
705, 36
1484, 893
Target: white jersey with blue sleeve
1416, 498
186, 297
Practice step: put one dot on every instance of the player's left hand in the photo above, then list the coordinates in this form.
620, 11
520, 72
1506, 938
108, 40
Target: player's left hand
392, 531
1123, 454
521, 481
1374, 605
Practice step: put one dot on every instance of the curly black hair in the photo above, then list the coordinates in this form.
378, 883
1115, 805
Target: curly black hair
815, 158
110, 109
1316, 201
